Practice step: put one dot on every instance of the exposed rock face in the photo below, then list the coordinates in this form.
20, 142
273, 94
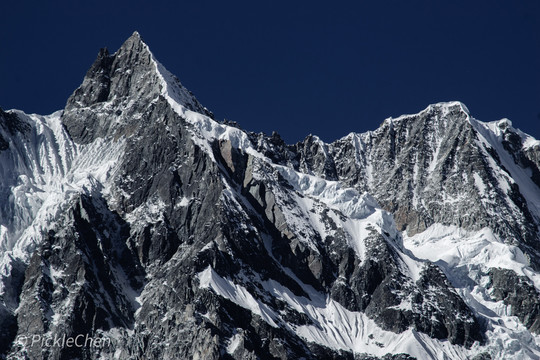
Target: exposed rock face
10, 124
159, 233
115, 91
519, 293
81, 278
439, 166
423, 168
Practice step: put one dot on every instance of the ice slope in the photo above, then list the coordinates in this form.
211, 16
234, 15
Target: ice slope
30, 169
491, 135
466, 258
41, 172
333, 325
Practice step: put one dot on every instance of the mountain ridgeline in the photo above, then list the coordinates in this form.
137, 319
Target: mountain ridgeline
135, 221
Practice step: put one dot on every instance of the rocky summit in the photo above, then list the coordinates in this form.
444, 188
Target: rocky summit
135, 226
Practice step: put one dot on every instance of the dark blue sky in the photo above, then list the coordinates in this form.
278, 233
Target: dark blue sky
326, 68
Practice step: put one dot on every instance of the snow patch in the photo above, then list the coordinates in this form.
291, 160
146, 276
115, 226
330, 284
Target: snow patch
209, 279
479, 184
466, 257
347, 200
233, 343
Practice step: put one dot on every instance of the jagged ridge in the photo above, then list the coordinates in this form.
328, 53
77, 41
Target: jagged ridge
195, 239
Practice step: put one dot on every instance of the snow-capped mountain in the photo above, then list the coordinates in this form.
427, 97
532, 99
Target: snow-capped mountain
135, 219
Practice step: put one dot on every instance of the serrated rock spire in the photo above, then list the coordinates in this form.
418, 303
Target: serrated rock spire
117, 86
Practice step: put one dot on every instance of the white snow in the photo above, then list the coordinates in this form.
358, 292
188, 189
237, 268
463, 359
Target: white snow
479, 184
150, 212
234, 342
457, 248
208, 278
41, 172
184, 201
491, 135
333, 325
435, 160
466, 257
347, 200
529, 141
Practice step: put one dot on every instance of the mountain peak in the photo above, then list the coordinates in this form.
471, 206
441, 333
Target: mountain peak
110, 76
449, 106
442, 111
114, 83
134, 45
